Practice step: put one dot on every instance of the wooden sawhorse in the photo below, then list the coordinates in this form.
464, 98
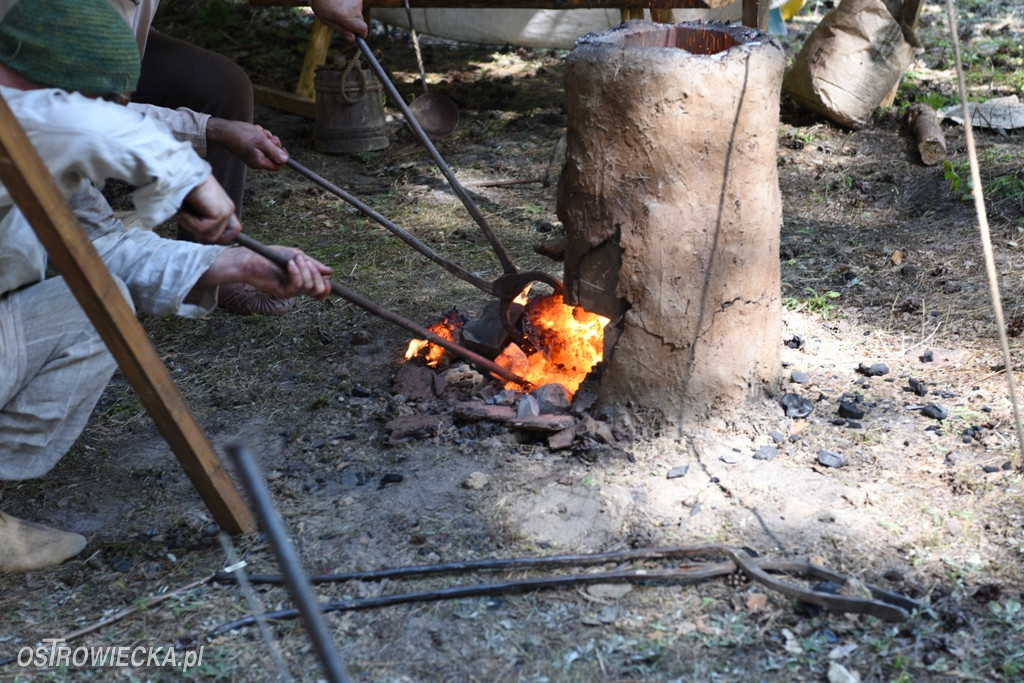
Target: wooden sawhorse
29, 182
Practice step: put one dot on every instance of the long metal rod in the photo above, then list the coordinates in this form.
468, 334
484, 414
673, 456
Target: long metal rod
403, 235
282, 261
460, 191
298, 585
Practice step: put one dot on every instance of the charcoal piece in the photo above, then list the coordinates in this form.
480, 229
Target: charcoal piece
796, 406
874, 370
850, 410
917, 386
927, 357
935, 411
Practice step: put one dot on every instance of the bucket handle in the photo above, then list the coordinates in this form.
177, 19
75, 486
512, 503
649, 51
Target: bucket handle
352, 63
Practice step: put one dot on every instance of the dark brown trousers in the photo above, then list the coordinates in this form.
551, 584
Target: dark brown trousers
178, 74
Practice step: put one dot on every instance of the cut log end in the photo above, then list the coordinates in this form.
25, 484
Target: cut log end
931, 142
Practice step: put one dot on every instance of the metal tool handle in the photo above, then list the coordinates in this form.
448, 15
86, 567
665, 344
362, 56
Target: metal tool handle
496, 245
281, 260
299, 588
403, 235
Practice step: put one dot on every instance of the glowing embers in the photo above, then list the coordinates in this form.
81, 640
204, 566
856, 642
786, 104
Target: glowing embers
565, 343
433, 355
568, 342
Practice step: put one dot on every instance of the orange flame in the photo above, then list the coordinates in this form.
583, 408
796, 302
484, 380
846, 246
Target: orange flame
569, 342
432, 354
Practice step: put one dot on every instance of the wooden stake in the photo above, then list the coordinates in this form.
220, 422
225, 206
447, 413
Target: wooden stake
27, 180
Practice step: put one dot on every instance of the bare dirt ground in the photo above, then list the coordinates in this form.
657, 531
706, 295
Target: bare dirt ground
881, 263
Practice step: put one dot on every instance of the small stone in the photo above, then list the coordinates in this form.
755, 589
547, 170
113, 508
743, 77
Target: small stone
989, 469
505, 397
935, 411
563, 439
360, 338
777, 436
677, 472
831, 458
360, 391
850, 410
766, 453
795, 342
853, 424
917, 386
544, 423
597, 429
474, 411
414, 381
730, 459
528, 407
799, 377
874, 370
927, 357
475, 481
552, 399
796, 406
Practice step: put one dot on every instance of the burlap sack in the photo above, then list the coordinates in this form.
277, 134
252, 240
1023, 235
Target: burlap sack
850, 62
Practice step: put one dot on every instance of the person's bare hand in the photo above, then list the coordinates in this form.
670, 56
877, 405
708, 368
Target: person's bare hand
344, 16
256, 146
305, 275
209, 214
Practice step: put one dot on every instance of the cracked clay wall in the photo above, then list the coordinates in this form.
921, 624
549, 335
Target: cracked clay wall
670, 199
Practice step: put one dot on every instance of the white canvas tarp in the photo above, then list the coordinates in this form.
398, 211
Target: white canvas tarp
528, 27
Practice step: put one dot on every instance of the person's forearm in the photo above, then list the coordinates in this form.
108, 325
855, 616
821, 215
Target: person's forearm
232, 265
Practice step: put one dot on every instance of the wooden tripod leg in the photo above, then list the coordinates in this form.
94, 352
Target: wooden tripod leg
29, 182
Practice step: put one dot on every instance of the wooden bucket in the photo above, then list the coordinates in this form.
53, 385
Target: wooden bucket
349, 111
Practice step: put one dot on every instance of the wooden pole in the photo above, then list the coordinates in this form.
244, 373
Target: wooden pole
29, 182
316, 55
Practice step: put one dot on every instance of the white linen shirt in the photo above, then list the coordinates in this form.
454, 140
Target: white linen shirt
84, 142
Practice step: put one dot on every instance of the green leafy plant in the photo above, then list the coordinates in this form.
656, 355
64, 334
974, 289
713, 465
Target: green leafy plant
959, 176
813, 302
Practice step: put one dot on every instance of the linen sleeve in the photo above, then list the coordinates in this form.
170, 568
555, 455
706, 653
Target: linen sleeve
185, 125
84, 139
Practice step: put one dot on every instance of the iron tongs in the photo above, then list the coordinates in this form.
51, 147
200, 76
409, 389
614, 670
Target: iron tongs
507, 286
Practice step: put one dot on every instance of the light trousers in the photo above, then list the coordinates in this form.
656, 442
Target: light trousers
53, 369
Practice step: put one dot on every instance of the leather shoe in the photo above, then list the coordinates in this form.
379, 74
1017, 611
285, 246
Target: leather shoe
26, 546
242, 299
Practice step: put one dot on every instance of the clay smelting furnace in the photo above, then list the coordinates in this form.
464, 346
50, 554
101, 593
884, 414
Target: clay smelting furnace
670, 200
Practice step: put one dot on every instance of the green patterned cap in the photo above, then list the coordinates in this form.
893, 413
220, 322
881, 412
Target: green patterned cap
79, 45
